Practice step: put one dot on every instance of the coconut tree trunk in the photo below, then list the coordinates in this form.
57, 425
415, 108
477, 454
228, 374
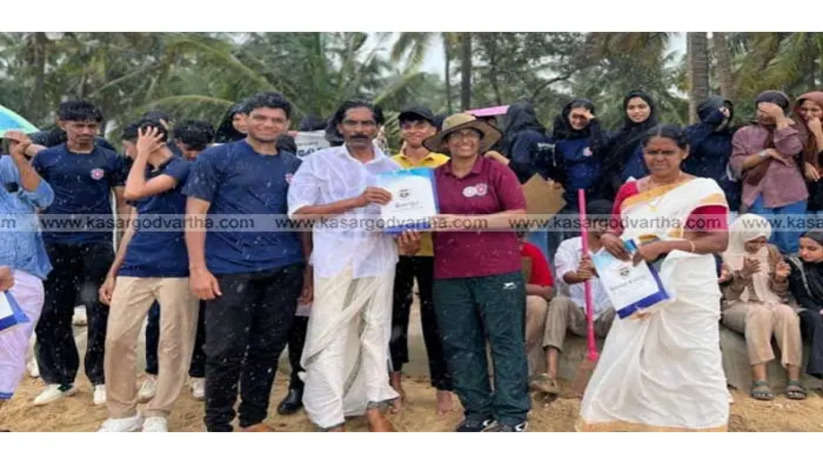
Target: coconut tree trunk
38, 91
698, 59
447, 52
465, 70
724, 65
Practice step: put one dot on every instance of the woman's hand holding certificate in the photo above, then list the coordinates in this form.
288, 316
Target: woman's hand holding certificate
650, 252
631, 285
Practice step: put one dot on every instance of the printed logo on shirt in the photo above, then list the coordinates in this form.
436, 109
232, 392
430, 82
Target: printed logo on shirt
476, 190
587, 152
509, 285
97, 174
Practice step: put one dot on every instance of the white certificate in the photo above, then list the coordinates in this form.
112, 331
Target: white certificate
630, 287
413, 202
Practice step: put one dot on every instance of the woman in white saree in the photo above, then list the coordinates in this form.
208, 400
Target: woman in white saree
660, 369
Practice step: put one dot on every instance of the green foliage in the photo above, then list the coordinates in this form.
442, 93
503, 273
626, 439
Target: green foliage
200, 75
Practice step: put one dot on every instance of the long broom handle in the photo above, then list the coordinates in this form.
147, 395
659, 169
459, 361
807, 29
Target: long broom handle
587, 285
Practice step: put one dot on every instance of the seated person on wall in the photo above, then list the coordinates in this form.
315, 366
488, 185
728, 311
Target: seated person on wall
539, 290
806, 285
569, 311
755, 304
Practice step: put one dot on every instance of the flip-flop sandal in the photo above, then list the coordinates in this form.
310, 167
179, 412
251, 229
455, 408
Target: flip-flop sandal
795, 390
761, 391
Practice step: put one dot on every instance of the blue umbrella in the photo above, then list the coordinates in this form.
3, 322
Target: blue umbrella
10, 120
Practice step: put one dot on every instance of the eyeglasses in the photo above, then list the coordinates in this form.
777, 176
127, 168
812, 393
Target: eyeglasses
470, 134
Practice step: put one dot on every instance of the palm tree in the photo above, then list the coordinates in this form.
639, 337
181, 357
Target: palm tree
720, 49
465, 70
697, 53
415, 45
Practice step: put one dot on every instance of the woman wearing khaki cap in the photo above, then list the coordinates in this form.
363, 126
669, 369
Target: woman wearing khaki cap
479, 293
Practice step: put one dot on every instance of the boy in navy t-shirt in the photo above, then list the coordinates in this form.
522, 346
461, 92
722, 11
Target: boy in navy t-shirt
151, 264
250, 277
191, 138
77, 231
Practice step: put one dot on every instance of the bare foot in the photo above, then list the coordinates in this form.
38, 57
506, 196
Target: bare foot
445, 403
398, 403
259, 427
378, 422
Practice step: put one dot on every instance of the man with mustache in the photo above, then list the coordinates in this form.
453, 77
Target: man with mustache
347, 343
83, 176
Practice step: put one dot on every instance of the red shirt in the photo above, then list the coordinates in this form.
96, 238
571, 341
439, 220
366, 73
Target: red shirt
489, 188
714, 214
541, 274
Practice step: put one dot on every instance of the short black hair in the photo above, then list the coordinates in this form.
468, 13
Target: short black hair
161, 129
79, 111
670, 131
158, 115
130, 132
376, 111
267, 100
285, 142
195, 134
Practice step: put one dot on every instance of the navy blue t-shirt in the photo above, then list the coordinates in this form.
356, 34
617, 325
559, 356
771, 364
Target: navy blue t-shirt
238, 181
160, 252
82, 186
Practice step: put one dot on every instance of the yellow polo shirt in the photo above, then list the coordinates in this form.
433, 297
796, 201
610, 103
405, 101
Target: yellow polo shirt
432, 161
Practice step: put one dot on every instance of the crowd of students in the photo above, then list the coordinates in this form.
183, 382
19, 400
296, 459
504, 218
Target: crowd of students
221, 304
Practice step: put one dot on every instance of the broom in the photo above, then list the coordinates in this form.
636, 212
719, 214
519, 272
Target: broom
586, 367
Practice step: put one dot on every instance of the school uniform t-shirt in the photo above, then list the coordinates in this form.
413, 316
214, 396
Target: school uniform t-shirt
158, 248
82, 185
238, 182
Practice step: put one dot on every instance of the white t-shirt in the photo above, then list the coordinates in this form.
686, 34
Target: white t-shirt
566, 260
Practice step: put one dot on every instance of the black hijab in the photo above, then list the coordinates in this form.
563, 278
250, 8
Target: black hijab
812, 272
625, 141
226, 132
519, 117
563, 129
706, 108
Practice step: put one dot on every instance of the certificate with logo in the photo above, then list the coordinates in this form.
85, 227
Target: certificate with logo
11, 314
630, 287
414, 200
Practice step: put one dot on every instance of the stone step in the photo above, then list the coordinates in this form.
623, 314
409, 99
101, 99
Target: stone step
738, 369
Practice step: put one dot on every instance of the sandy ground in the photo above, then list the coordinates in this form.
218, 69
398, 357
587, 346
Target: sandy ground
78, 414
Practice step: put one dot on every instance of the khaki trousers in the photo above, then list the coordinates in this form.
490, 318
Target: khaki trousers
564, 315
758, 322
129, 306
536, 309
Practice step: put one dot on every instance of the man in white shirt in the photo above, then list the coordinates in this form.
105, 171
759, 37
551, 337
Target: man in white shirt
568, 312
346, 354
